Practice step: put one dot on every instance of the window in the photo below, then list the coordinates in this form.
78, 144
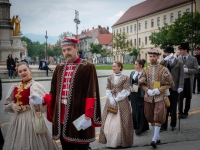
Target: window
135, 27
114, 32
131, 28
179, 14
145, 24
124, 29
188, 10
164, 19
127, 29
139, 41
171, 17
139, 27
117, 30
145, 40
158, 21
135, 42
152, 22
120, 31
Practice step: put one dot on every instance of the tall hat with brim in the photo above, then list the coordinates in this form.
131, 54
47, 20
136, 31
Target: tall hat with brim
69, 41
169, 49
184, 46
153, 51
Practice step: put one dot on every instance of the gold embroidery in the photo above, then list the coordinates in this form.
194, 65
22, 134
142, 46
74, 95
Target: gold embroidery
18, 96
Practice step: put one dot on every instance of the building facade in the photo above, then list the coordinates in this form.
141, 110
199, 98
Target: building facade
89, 36
141, 20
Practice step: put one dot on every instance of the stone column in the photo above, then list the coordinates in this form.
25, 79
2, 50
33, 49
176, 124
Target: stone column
5, 30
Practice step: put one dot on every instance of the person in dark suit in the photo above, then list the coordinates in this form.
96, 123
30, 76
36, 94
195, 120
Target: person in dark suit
197, 76
43, 66
10, 65
190, 66
1, 136
175, 67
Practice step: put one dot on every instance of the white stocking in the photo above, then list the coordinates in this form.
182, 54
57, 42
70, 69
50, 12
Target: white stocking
156, 133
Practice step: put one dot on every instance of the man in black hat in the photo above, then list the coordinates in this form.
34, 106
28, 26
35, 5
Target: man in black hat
175, 67
197, 76
190, 67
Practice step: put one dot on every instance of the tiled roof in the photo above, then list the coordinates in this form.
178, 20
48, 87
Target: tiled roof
148, 7
105, 39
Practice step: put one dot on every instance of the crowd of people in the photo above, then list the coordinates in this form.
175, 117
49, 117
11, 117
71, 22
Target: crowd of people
73, 103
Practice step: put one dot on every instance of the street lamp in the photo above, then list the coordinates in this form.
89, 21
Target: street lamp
77, 21
46, 46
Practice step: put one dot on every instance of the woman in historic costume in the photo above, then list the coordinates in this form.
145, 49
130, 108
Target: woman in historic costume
117, 129
137, 99
21, 133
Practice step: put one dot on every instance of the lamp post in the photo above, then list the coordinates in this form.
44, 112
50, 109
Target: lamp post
77, 21
46, 46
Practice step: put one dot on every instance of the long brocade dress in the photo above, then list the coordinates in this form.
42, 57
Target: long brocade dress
117, 129
21, 134
137, 103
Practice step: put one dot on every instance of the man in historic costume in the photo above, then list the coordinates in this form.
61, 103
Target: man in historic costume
74, 92
155, 80
175, 67
190, 66
197, 75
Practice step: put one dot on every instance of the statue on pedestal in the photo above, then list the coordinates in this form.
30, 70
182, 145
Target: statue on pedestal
16, 25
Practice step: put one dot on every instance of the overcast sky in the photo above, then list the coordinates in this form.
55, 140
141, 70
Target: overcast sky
56, 16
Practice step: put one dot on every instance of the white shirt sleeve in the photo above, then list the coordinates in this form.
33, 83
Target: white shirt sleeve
109, 94
121, 95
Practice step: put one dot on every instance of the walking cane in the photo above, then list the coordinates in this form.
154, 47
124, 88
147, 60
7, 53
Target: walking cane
179, 124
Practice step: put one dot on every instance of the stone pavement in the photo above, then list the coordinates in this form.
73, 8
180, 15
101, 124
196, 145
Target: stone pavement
187, 138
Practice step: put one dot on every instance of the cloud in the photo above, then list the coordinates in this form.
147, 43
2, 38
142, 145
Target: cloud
114, 18
57, 16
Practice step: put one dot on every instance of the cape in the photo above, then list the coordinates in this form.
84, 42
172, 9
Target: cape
83, 97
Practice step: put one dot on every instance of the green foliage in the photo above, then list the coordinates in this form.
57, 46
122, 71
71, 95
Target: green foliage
135, 51
95, 48
36, 49
179, 31
105, 53
122, 44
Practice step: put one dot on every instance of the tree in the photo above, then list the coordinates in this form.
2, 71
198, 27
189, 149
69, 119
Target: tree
161, 39
62, 35
179, 31
121, 44
95, 48
104, 52
135, 51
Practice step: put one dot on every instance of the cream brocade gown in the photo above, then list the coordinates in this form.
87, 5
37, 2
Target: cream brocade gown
20, 134
112, 126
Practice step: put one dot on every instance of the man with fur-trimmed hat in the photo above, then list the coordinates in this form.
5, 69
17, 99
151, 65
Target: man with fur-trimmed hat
175, 67
74, 94
190, 67
155, 80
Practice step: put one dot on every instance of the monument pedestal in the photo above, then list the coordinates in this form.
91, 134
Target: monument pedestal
15, 50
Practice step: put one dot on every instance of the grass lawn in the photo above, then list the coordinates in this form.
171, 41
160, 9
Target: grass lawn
109, 67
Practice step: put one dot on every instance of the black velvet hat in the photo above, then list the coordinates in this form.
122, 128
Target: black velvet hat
169, 49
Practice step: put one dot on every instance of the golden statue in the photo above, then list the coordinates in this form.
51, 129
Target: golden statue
16, 25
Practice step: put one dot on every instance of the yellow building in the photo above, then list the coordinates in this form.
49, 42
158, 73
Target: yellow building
141, 20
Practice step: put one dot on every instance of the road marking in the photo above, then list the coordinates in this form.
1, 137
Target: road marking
4, 124
103, 97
